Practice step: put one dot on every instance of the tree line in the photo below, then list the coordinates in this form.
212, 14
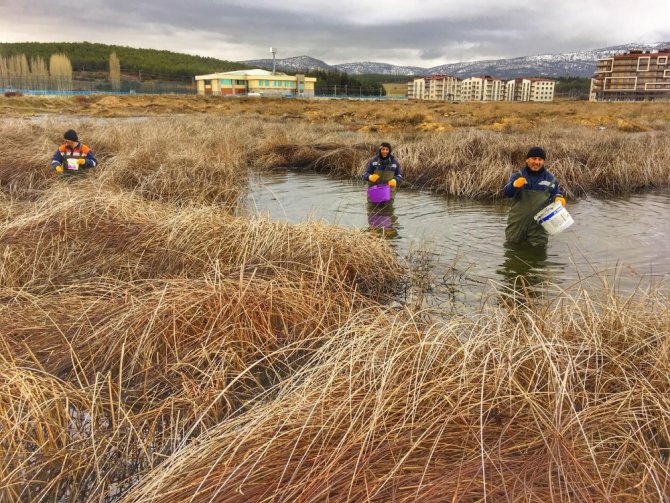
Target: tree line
149, 63
52, 65
17, 71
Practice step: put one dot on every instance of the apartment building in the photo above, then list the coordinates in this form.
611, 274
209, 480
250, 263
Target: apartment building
482, 89
255, 83
434, 87
485, 88
530, 90
633, 76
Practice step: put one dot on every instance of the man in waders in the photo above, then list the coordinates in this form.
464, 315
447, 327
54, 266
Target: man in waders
383, 168
532, 188
72, 158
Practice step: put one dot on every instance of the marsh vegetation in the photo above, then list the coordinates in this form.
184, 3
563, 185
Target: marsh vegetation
160, 344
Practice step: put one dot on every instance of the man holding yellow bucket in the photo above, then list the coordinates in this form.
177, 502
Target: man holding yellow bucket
532, 188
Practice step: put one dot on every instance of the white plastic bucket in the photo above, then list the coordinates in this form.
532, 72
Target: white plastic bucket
72, 163
554, 218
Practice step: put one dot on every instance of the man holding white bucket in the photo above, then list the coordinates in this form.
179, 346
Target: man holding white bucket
532, 188
73, 157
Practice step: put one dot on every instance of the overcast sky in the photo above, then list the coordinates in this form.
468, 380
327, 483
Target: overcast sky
422, 33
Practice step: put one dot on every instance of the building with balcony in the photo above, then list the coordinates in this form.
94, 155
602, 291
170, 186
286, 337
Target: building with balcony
533, 89
434, 87
482, 89
634, 76
255, 83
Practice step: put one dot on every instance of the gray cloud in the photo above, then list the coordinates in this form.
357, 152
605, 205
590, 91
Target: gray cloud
468, 30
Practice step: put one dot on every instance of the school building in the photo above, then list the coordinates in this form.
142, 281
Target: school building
255, 83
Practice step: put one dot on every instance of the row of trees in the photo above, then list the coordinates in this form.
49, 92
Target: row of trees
153, 64
17, 71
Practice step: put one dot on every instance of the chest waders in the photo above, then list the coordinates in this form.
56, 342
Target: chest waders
520, 223
385, 175
69, 174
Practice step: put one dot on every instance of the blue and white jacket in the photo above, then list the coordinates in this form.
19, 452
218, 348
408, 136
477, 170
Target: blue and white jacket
540, 181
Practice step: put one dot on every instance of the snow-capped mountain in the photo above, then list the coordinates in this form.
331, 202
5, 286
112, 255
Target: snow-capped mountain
291, 65
379, 68
573, 64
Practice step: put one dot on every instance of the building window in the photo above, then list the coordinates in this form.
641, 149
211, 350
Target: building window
643, 64
662, 60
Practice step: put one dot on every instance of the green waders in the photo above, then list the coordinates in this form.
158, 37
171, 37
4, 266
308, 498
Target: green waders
385, 175
521, 226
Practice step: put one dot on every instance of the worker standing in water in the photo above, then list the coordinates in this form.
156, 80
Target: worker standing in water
384, 168
532, 188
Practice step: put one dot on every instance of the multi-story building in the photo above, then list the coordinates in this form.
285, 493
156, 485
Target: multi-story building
435, 87
443, 87
530, 90
482, 89
255, 83
634, 76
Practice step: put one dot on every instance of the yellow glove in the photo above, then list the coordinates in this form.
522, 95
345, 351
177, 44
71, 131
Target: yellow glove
392, 182
519, 182
59, 169
560, 200
81, 161
373, 177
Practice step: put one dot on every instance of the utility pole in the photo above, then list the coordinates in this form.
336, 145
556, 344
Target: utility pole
273, 50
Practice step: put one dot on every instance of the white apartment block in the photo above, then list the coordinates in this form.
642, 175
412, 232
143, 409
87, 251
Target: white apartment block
435, 87
481, 89
530, 90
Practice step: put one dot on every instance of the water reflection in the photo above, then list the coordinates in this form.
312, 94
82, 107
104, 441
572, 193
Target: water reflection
382, 220
524, 267
630, 232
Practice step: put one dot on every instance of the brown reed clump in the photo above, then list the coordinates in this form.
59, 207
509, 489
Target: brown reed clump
78, 234
476, 164
183, 161
60, 442
551, 404
203, 160
160, 339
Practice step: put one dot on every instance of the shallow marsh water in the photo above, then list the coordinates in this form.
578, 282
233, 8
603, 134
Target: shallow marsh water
624, 239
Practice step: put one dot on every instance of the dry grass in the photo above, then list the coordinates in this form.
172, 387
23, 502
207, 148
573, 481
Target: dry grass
203, 160
158, 345
561, 403
78, 234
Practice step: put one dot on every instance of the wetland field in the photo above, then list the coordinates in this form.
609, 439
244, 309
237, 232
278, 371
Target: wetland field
211, 316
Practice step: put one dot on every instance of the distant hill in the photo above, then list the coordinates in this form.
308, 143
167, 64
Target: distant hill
573, 64
86, 56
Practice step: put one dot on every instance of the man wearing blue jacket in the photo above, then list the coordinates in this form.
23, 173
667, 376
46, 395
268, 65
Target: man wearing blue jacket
73, 157
532, 188
383, 168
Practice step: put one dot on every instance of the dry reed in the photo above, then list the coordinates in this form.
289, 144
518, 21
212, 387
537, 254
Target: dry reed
561, 403
77, 234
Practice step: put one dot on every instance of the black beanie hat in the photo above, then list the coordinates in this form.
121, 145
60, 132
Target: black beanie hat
387, 145
536, 152
71, 135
